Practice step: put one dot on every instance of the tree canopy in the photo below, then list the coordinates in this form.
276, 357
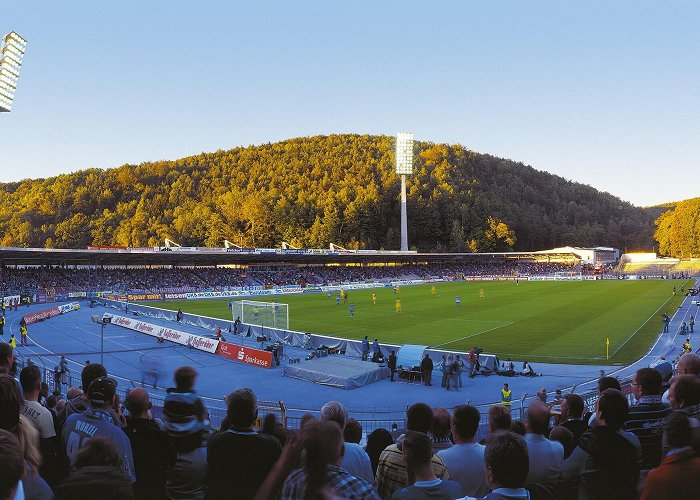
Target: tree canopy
678, 230
316, 190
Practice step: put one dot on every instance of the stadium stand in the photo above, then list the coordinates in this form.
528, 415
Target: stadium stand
195, 279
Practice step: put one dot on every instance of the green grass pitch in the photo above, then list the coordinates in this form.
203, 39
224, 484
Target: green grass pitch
557, 322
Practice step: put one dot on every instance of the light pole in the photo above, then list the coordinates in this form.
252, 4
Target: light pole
404, 167
11, 56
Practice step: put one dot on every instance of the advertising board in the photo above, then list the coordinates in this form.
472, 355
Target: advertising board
255, 357
177, 336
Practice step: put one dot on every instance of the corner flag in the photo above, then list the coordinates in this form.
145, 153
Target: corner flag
607, 347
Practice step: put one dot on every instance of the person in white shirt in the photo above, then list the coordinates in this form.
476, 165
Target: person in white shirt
355, 460
545, 456
465, 460
30, 379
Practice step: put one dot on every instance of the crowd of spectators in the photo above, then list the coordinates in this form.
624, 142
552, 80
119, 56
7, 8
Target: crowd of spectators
92, 446
191, 279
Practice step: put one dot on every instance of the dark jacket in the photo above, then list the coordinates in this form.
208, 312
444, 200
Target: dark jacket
103, 482
154, 454
426, 365
391, 363
186, 419
612, 467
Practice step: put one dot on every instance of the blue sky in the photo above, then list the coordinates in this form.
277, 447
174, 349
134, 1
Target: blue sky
604, 93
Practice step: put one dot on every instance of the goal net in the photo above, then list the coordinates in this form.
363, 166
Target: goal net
266, 314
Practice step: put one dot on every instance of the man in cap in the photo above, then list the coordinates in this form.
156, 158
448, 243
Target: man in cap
97, 420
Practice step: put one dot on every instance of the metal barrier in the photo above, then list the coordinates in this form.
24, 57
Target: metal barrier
369, 418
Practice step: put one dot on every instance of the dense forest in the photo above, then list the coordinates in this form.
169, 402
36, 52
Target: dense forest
678, 229
313, 191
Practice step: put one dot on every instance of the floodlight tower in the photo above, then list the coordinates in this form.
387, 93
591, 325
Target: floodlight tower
11, 56
404, 167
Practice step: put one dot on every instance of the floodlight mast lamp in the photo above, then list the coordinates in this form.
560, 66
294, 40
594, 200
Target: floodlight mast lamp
11, 55
404, 167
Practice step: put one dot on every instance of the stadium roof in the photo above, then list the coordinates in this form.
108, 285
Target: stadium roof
190, 256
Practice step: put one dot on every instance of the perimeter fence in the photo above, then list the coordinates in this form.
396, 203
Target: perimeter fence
370, 418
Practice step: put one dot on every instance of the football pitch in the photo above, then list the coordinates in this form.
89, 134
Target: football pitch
554, 322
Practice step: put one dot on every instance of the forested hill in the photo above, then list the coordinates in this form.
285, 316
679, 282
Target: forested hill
678, 229
313, 191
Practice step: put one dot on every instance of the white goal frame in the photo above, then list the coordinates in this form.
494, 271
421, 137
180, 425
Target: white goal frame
264, 314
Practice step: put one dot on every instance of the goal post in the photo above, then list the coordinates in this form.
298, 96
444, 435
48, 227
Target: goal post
265, 314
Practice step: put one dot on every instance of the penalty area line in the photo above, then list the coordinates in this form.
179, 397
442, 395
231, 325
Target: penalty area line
472, 335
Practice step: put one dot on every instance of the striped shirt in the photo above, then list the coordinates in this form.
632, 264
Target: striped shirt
392, 474
647, 420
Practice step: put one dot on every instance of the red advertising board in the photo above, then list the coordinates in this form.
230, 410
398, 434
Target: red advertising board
41, 315
244, 354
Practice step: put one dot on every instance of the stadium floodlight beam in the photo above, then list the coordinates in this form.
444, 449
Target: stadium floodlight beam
11, 55
404, 167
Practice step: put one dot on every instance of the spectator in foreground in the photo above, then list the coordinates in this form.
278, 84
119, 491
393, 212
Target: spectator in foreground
80, 403
11, 465
684, 394
564, 437
499, 418
606, 382
187, 423
7, 359
322, 475
98, 421
688, 364
507, 465
377, 441
391, 471
417, 451
272, 427
545, 455
440, 430
518, 427
98, 474
42, 419
647, 418
238, 460
20, 426
677, 477
684, 397
353, 431
465, 460
355, 460
572, 415
152, 448
605, 462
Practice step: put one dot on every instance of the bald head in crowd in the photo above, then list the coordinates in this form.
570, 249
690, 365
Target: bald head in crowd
74, 392
538, 418
688, 364
138, 403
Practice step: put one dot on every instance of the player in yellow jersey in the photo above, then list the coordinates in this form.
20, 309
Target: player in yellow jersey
482, 293
374, 297
397, 305
433, 290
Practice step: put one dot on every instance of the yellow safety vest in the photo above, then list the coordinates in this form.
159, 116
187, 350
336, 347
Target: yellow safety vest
505, 397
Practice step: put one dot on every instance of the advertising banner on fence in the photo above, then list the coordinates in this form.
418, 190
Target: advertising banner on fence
184, 338
134, 296
244, 354
10, 299
50, 313
243, 293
